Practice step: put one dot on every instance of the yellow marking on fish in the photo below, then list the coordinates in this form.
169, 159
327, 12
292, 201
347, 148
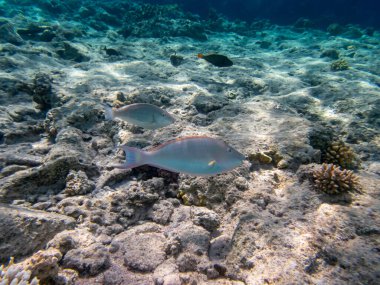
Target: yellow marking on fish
212, 163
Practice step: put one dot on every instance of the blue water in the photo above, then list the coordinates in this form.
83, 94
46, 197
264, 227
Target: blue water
322, 12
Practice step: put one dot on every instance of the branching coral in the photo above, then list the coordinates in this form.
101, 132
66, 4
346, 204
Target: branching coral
339, 65
332, 180
340, 154
42, 266
15, 274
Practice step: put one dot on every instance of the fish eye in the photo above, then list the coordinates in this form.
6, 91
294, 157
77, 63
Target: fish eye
229, 149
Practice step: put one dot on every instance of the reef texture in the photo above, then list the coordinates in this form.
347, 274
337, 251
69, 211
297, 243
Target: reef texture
332, 180
295, 97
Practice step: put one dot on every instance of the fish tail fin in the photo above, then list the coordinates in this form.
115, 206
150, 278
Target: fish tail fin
133, 157
108, 113
200, 55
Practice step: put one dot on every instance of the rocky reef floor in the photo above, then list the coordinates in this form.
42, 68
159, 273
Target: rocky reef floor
293, 97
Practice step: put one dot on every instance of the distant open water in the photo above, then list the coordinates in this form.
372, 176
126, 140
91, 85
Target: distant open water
322, 12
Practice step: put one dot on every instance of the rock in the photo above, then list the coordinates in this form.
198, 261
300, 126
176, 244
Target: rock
23, 112
8, 33
111, 177
306, 172
138, 258
161, 212
166, 273
66, 277
205, 104
28, 230
219, 247
303, 23
204, 217
77, 183
187, 262
330, 53
264, 44
158, 96
112, 278
193, 30
37, 32
139, 195
135, 243
193, 239
353, 33
28, 131
70, 142
11, 169
203, 191
252, 86
42, 91
71, 239
87, 261
335, 29
69, 52
48, 177
84, 115
74, 211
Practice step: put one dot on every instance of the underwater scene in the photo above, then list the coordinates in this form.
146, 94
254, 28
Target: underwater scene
189, 142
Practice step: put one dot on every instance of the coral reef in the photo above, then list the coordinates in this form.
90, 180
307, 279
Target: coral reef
42, 93
340, 154
330, 53
40, 268
28, 230
339, 65
16, 274
9, 34
77, 183
280, 104
70, 52
335, 29
332, 180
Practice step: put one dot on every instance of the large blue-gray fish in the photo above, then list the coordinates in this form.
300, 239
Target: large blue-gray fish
143, 115
199, 155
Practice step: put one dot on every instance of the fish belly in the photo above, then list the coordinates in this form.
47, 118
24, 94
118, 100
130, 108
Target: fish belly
139, 118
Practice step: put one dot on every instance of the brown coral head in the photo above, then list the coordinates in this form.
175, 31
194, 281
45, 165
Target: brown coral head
332, 180
339, 153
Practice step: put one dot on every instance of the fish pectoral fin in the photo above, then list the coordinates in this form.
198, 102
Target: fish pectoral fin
212, 163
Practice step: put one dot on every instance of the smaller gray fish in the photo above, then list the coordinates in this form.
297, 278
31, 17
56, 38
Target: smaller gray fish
143, 115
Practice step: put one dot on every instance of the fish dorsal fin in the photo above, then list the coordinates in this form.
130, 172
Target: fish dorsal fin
178, 140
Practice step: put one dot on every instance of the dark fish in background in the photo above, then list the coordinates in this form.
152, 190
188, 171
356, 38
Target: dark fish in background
111, 51
176, 60
216, 59
143, 115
